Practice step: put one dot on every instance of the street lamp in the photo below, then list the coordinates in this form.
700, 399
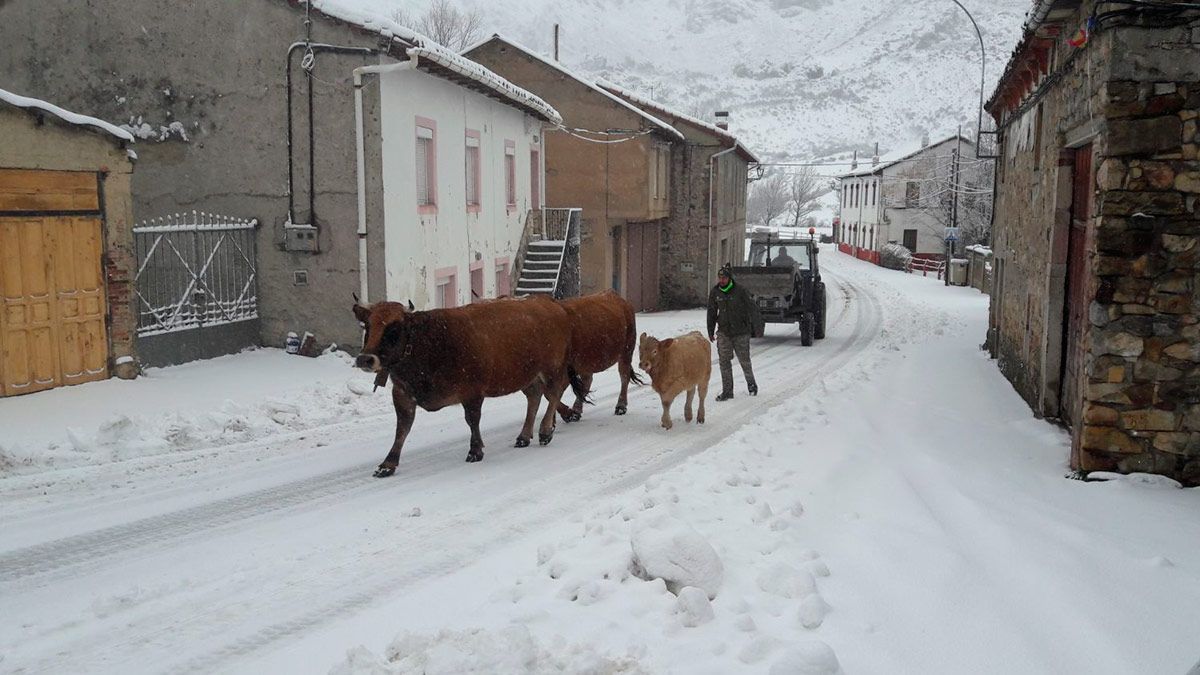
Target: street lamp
982, 75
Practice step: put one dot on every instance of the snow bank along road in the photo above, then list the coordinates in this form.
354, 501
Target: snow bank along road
200, 561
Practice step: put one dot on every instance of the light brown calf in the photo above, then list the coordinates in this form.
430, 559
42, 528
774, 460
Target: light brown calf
677, 365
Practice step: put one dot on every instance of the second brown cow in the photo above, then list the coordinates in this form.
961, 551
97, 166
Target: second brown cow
603, 333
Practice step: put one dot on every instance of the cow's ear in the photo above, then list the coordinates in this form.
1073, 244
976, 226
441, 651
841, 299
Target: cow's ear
643, 337
666, 343
361, 313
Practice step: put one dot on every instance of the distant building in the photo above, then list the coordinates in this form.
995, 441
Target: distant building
1095, 304
906, 198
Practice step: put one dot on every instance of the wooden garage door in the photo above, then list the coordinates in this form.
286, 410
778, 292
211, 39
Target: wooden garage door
52, 304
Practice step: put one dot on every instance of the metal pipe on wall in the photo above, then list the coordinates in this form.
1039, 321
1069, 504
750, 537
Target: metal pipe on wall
361, 161
712, 171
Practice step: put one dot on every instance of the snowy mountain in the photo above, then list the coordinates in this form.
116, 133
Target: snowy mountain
802, 78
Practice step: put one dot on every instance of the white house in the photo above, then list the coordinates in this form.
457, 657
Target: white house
900, 198
462, 167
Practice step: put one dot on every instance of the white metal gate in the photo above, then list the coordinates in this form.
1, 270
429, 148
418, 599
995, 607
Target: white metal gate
195, 271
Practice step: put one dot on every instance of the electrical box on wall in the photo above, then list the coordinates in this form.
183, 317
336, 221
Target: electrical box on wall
302, 238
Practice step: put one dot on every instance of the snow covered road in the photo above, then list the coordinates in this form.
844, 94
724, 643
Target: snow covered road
200, 561
886, 505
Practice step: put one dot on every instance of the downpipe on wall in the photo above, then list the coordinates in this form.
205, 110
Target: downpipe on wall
712, 171
361, 160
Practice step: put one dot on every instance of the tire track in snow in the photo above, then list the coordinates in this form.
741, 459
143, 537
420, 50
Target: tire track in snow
69, 554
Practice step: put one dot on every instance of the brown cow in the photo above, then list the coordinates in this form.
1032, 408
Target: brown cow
444, 357
676, 365
603, 332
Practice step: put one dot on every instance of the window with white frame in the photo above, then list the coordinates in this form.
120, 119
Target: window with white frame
426, 167
473, 180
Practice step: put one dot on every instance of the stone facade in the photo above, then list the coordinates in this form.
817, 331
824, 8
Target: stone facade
1127, 380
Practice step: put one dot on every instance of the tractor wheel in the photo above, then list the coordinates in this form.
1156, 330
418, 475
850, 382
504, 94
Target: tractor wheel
807, 321
819, 328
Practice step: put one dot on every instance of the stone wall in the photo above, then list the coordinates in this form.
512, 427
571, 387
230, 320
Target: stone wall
1133, 94
1142, 403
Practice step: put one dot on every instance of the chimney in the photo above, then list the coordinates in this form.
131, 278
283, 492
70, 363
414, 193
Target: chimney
854, 164
722, 119
875, 159
556, 42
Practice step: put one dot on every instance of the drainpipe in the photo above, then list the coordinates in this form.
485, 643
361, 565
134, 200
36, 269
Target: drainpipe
360, 156
712, 170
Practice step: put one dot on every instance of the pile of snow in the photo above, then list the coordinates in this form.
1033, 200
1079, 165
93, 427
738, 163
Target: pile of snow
671, 550
223, 401
468, 652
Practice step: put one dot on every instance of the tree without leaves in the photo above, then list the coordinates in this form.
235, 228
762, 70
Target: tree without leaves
769, 198
444, 23
805, 189
934, 189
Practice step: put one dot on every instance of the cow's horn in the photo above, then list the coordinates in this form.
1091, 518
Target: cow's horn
410, 306
355, 296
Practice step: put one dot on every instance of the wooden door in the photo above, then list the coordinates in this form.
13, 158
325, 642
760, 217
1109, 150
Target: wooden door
649, 269
633, 266
1076, 309
52, 299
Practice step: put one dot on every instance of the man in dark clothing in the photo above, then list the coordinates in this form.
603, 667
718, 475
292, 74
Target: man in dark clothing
783, 259
732, 310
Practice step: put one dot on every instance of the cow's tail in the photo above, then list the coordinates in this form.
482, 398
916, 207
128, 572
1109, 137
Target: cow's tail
577, 386
634, 377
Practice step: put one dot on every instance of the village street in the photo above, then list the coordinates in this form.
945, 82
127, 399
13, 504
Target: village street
281, 553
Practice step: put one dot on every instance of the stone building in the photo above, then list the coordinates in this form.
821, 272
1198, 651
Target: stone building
264, 129
613, 160
1095, 313
66, 248
707, 225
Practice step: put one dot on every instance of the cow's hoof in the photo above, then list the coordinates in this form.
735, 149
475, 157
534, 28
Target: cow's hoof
573, 416
544, 439
384, 471
667, 425
522, 442
700, 419
474, 456
620, 410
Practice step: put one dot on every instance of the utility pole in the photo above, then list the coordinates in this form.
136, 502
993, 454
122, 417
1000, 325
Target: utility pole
954, 203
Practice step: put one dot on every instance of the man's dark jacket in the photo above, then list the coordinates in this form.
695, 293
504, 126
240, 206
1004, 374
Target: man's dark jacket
733, 312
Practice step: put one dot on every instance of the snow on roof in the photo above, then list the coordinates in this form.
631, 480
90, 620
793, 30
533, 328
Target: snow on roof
591, 85
897, 156
640, 101
64, 115
470, 69
426, 49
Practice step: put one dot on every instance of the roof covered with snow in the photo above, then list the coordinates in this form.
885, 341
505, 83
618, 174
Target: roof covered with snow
651, 119
437, 60
67, 116
903, 154
644, 102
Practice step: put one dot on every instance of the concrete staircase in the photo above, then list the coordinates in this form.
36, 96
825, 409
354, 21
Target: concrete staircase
542, 268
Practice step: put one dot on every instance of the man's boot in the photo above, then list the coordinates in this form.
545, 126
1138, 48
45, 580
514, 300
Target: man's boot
752, 388
724, 396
